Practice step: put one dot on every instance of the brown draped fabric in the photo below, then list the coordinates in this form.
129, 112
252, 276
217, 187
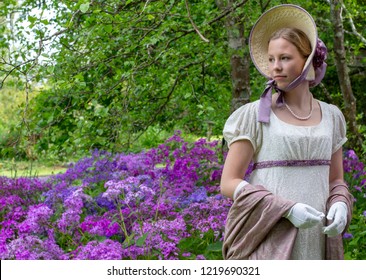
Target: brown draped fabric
338, 191
256, 230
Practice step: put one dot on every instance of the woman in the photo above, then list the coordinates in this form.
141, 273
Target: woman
296, 204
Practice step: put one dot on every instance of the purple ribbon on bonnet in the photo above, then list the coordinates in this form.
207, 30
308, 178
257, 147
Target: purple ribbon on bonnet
319, 65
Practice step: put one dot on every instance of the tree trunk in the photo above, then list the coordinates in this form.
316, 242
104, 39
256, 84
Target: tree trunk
343, 74
239, 56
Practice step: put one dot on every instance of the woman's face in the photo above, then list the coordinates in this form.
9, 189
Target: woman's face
285, 61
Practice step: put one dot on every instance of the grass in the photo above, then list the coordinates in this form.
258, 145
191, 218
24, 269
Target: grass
14, 169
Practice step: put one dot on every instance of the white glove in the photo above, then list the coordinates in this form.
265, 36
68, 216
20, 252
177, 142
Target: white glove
338, 213
304, 216
241, 185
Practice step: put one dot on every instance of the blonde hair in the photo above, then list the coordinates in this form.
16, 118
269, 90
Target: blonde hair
295, 36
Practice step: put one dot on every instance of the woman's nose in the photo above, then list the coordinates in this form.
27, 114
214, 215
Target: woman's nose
277, 65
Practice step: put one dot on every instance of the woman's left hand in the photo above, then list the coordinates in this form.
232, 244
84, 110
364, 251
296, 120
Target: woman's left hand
337, 213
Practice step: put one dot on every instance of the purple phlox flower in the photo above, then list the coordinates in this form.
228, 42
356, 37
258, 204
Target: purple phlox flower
101, 226
37, 218
69, 219
59, 194
347, 235
117, 175
203, 151
75, 199
10, 201
164, 208
219, 196
199, 195
95, 250
364, 213
351, 154
104, 202
363, 183
27, 189
210, 215
351, 163
93, 169
180, 179
17, 214
8, 230
216, 174
130, 190
134, 164
163, 236
74, 205
176, 138
186, 254
134, 252
7, 233
113, 190
33, 248
168, 250
200, 257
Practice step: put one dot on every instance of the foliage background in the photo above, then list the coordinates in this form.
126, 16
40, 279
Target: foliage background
103, 74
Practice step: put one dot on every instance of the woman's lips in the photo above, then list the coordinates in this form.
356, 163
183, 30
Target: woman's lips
276, 78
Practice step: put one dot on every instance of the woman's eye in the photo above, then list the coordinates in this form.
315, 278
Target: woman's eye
285, 58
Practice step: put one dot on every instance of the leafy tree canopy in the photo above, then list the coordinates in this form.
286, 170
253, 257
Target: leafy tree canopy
108, 70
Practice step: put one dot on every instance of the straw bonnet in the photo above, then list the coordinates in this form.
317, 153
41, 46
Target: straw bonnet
285, 15
278, 17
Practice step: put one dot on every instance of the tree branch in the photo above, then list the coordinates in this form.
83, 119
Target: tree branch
353, 27
193, 24
227, 11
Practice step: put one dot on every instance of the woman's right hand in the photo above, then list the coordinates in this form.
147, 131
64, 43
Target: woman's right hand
304, 216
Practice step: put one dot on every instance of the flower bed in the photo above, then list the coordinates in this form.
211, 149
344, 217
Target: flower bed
163, 203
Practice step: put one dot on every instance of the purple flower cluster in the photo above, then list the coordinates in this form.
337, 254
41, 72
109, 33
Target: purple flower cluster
99, 250
130, 191
320, 54
101, 226
162, 236
123, 206
163, 203
31, 247
355, 174
36, 220
73, 208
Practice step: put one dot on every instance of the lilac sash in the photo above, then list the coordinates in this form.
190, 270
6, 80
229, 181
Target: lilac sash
277, 163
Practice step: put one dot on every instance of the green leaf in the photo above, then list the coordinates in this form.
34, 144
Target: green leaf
141, 241
129, 241
215, 247
84, 7
50, 69
32, 19
108, 28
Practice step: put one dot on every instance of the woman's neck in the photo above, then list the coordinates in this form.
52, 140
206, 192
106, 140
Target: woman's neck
300, 97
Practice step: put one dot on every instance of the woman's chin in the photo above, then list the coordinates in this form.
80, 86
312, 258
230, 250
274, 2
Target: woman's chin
281, 85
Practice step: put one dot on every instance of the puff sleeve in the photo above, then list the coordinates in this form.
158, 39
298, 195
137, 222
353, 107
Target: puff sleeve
242, 124
340, 129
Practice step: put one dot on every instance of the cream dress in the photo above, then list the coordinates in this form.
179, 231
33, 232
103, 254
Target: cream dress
280, 141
